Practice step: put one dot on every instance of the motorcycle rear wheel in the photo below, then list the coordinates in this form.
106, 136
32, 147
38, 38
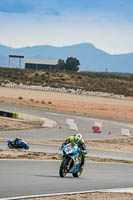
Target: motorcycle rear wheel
63, 168
78, 173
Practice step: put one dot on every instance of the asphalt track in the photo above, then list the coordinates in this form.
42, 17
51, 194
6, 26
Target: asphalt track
84, 124
26, 178
21, 178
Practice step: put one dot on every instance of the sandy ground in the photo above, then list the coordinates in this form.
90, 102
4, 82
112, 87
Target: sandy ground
90, 196
24, 154
95, 106
121, 109
11, 124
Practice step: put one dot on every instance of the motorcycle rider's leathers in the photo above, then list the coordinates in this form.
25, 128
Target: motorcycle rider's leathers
81, 144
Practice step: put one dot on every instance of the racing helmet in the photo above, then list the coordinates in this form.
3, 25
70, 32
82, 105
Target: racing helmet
78, 137
17, 138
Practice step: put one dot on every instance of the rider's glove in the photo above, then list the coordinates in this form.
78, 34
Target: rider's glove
62, 146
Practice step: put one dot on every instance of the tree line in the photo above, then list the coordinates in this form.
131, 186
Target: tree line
71, 64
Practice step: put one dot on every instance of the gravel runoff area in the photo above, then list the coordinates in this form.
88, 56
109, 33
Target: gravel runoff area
24, 154
89, 196
24, 122
96, 106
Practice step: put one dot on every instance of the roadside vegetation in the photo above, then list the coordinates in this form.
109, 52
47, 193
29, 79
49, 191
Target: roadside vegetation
117, 83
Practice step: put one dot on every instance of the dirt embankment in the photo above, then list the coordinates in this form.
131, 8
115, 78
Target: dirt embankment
120, 109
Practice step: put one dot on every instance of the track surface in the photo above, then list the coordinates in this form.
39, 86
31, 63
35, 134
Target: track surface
21, 178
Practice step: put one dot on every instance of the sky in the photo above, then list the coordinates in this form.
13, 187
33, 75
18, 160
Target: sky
107, 24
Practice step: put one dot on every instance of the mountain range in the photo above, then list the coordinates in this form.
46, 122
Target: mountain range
91, 58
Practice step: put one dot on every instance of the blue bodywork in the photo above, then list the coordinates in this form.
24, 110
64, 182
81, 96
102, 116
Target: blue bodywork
74, 155
20, 144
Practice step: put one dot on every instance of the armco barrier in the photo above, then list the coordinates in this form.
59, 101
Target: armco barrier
8, 114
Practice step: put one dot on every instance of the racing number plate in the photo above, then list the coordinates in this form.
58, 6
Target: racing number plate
68, 149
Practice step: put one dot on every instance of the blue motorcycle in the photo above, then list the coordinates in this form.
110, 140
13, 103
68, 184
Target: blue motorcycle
20, 144
71, 160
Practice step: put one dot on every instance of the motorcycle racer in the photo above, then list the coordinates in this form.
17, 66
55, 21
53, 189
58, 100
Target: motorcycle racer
16, 141
77, 139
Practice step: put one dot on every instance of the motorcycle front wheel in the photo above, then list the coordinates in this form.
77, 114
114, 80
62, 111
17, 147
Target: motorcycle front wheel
77, 174
63, 168
27, 147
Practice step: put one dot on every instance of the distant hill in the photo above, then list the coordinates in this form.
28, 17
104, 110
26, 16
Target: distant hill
91, 58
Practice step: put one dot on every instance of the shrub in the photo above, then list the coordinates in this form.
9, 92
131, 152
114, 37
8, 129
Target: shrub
20, 97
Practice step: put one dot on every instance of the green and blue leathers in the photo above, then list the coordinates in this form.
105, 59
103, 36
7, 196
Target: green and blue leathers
81, 144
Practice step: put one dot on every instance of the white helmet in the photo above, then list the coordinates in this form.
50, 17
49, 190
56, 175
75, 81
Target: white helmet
78, 137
